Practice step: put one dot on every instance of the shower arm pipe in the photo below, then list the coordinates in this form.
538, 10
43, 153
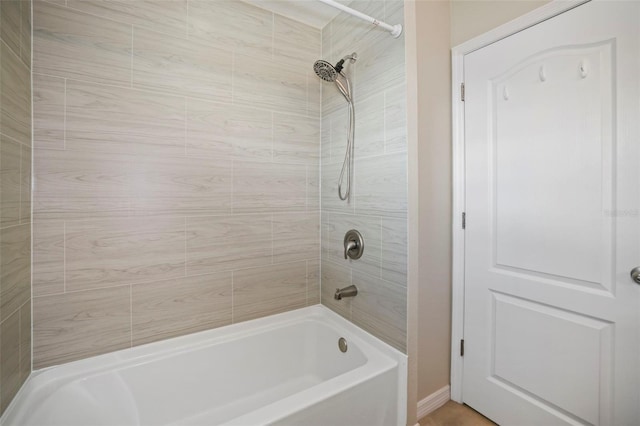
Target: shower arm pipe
395, 30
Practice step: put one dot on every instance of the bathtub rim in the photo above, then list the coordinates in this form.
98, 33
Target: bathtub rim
381, 357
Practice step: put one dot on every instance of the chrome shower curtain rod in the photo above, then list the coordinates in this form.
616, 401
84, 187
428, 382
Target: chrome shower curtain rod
395, 30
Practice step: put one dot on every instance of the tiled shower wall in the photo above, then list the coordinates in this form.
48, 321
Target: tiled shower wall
378, 206
176, 156
15, 197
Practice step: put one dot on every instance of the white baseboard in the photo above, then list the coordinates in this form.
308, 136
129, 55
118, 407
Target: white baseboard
434, 401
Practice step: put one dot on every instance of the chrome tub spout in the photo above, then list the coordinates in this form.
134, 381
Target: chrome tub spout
350, 291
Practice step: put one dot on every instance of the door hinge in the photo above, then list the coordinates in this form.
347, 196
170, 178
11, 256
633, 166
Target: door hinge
462, 92
464, 220
462, 347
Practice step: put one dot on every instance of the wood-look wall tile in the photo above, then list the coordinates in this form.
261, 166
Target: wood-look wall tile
48, 112
380, 66
182, 186
123, 121
11, 23
236, 25
313, 187
313, 282
336, 225
268, 290
222, 243
394, 250
349, 35
394, 11
381, 185
325, 138
395, 119
264, 187
81, 46
314, 95
10, 181
15, 96
76, 184
10, 355
369, 129
269, 84
295, 41
182, 67
338, 136
48, 257
111, 252
332, 99
25, 341
296, 139
335, 276
56, 2
25, 184
381, 309
159, 15
71, 326
15, 268
331, 202
228, 131
25, 33
296, 236
171, 308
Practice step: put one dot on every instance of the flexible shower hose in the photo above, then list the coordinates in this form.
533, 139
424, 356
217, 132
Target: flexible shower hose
347, 165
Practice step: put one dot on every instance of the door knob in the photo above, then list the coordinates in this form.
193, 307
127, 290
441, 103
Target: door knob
635, 274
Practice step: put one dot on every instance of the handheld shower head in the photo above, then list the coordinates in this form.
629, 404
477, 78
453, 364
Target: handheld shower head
325, 71
328, 72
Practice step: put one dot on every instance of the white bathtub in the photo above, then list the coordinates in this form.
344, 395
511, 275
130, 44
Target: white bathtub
286, 369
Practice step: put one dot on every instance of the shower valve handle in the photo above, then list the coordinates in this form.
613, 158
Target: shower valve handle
353, 245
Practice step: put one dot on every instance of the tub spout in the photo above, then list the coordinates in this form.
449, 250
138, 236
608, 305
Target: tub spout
350, 291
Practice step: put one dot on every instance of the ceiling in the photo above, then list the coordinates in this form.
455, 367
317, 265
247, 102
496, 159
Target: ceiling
310, 12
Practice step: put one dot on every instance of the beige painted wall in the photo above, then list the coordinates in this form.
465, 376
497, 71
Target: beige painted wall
441, 25
434, 156
15, 198
470, 18
176, 160
378, 204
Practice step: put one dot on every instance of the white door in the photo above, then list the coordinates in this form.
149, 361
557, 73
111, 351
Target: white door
552, 151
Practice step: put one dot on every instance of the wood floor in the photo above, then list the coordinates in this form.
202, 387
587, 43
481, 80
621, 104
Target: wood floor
454, 414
